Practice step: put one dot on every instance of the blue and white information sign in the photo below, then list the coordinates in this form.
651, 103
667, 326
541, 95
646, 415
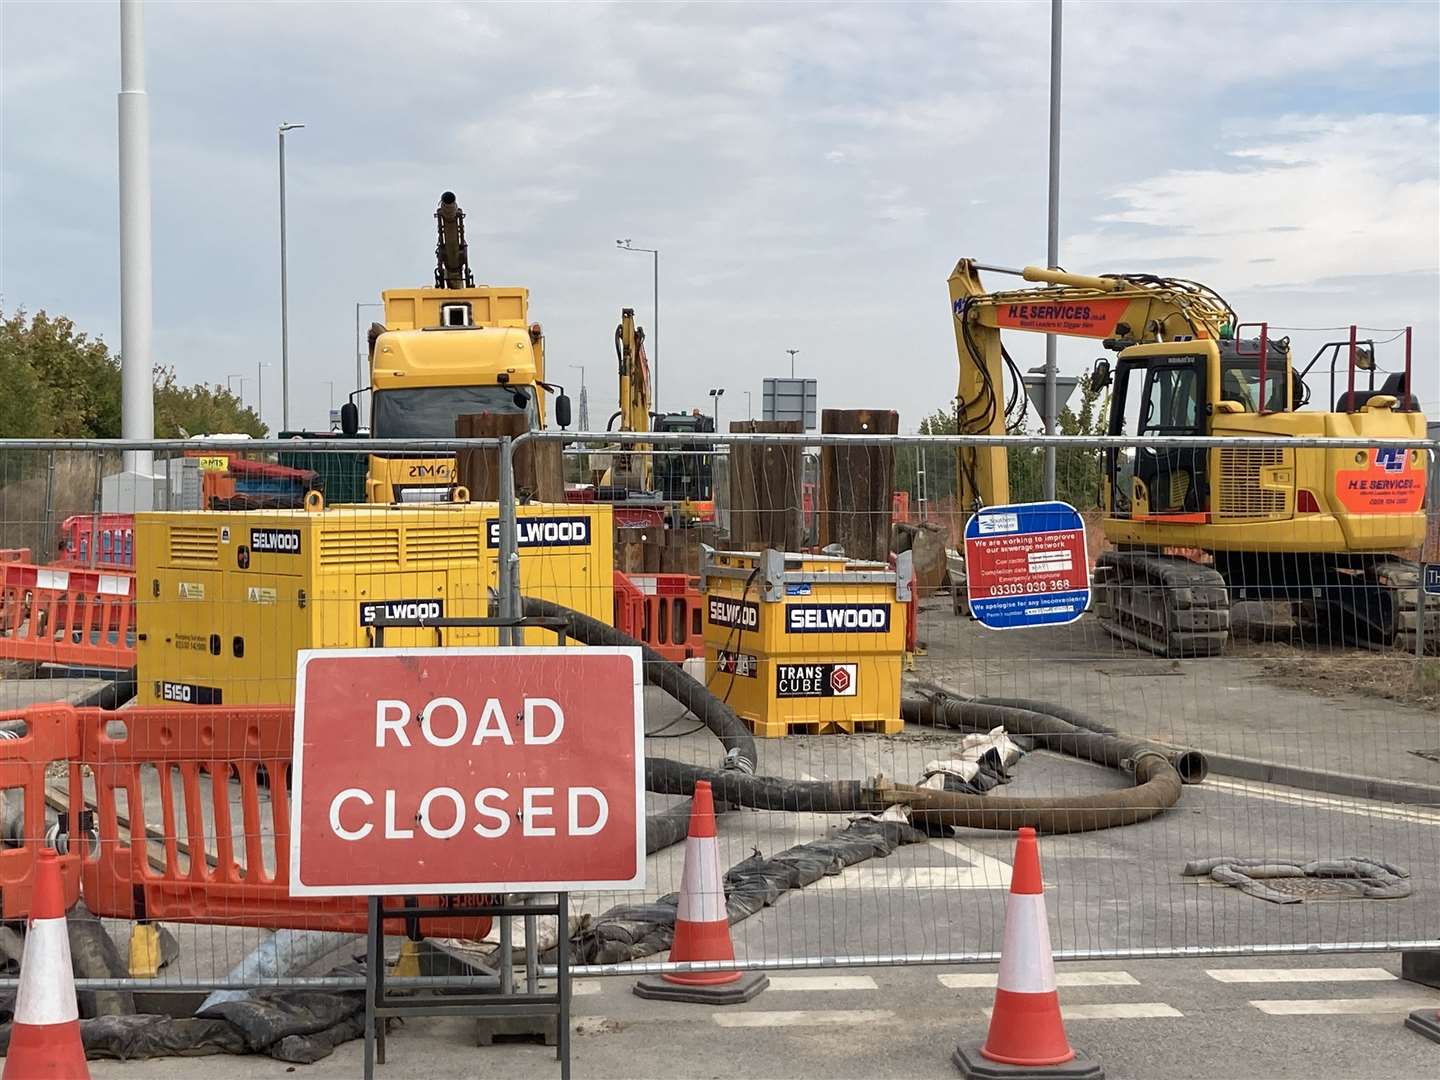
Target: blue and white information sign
1026, 565
1432, 579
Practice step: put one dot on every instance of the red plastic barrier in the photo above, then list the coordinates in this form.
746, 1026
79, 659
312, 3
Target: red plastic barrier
103, 541
15, 555
63, 615
663, 611
209, 787
52, 737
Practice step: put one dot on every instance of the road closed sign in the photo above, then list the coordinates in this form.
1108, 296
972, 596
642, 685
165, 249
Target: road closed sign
1025, 565
467, 770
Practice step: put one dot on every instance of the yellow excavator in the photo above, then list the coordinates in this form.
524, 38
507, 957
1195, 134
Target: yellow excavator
1192, 530
631, 471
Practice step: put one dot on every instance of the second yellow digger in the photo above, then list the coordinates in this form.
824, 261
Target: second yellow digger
1192, 530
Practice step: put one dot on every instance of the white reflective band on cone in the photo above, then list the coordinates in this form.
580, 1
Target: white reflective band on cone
702, 892
47, 988
1026, 966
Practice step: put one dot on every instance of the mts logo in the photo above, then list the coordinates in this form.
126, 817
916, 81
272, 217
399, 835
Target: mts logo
1390, 458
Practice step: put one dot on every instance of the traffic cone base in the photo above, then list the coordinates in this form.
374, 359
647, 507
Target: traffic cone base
739, 987
1426, 1022
702, 923
1027, 1033
45, 1041
973, 1065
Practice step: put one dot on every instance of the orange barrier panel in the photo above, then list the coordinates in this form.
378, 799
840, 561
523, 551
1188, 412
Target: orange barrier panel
51, 737
15, 555
663, 611
63, 615
209, 787
104, 541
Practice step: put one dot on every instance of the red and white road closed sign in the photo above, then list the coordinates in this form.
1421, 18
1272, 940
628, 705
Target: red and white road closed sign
467, 770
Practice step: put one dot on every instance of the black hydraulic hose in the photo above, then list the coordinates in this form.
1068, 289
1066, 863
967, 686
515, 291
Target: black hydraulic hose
1157, 783
740, 753
1190, 764
670, 777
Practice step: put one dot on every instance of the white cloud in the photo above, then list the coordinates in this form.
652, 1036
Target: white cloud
811, 173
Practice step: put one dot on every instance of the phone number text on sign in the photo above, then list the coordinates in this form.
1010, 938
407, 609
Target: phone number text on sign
1026, 565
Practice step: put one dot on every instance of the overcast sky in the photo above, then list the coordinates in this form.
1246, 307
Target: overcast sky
810, 173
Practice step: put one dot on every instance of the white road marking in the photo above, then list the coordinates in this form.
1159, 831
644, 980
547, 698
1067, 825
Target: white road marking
1120, 1010
1337, 1006
1360, 807
822, 982
984, 872
982, 980
1300, 975
797, 1018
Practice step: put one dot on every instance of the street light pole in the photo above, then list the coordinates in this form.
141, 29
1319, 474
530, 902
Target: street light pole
749, 407
584, 399
792, 353
260, 367
284, 294
715, 396
1052, 247
137, 382
654, 326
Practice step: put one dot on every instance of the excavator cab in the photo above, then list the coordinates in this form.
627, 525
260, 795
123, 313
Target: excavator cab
1163, 393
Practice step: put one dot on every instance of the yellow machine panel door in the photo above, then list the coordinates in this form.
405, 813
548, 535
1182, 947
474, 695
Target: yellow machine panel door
264, 624
180, 646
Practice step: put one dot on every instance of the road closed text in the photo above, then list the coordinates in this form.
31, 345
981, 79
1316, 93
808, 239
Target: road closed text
464, 770
489, 811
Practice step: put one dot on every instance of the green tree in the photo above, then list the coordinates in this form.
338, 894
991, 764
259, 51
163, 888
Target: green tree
181, 411
1077, 469
58, 383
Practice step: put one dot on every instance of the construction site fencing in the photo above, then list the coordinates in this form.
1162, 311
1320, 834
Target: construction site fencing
872, 691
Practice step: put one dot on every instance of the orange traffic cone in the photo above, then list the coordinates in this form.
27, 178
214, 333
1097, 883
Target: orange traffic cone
702, 926
1027, 1035
45, 1037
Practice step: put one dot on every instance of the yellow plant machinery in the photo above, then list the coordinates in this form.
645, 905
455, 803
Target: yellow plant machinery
1194, 529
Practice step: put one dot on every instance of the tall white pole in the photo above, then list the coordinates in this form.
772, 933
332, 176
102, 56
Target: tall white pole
655, 343
284, 301
1052, 247
137, 394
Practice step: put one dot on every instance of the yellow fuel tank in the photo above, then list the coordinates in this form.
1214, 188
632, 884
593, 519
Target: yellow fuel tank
805, 643
225, 600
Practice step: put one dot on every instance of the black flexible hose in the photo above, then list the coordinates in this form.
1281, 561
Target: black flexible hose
739, 744
1190, 764
1158, 784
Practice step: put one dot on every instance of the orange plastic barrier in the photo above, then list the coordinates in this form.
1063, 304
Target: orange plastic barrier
663, 611
105, 541
15, 555
216, 812
64, 615
52, 736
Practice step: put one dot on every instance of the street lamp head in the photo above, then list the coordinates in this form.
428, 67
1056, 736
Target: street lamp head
290, 127
622, 243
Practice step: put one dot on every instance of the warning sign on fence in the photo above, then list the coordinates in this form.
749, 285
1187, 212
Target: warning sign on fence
467, 770
1025, 565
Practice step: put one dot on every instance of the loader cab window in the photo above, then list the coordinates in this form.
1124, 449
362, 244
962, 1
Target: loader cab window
1164, 397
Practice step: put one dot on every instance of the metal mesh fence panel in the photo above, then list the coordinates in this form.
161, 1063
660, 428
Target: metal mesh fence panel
148, 633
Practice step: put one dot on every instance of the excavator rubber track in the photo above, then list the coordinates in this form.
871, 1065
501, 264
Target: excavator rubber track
1166, 604
1401, 579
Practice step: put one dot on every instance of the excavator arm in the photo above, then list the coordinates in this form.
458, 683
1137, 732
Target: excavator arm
634, 414
1120, 309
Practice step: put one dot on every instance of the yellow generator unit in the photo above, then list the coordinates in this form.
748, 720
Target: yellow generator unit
807, 643
225, 600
